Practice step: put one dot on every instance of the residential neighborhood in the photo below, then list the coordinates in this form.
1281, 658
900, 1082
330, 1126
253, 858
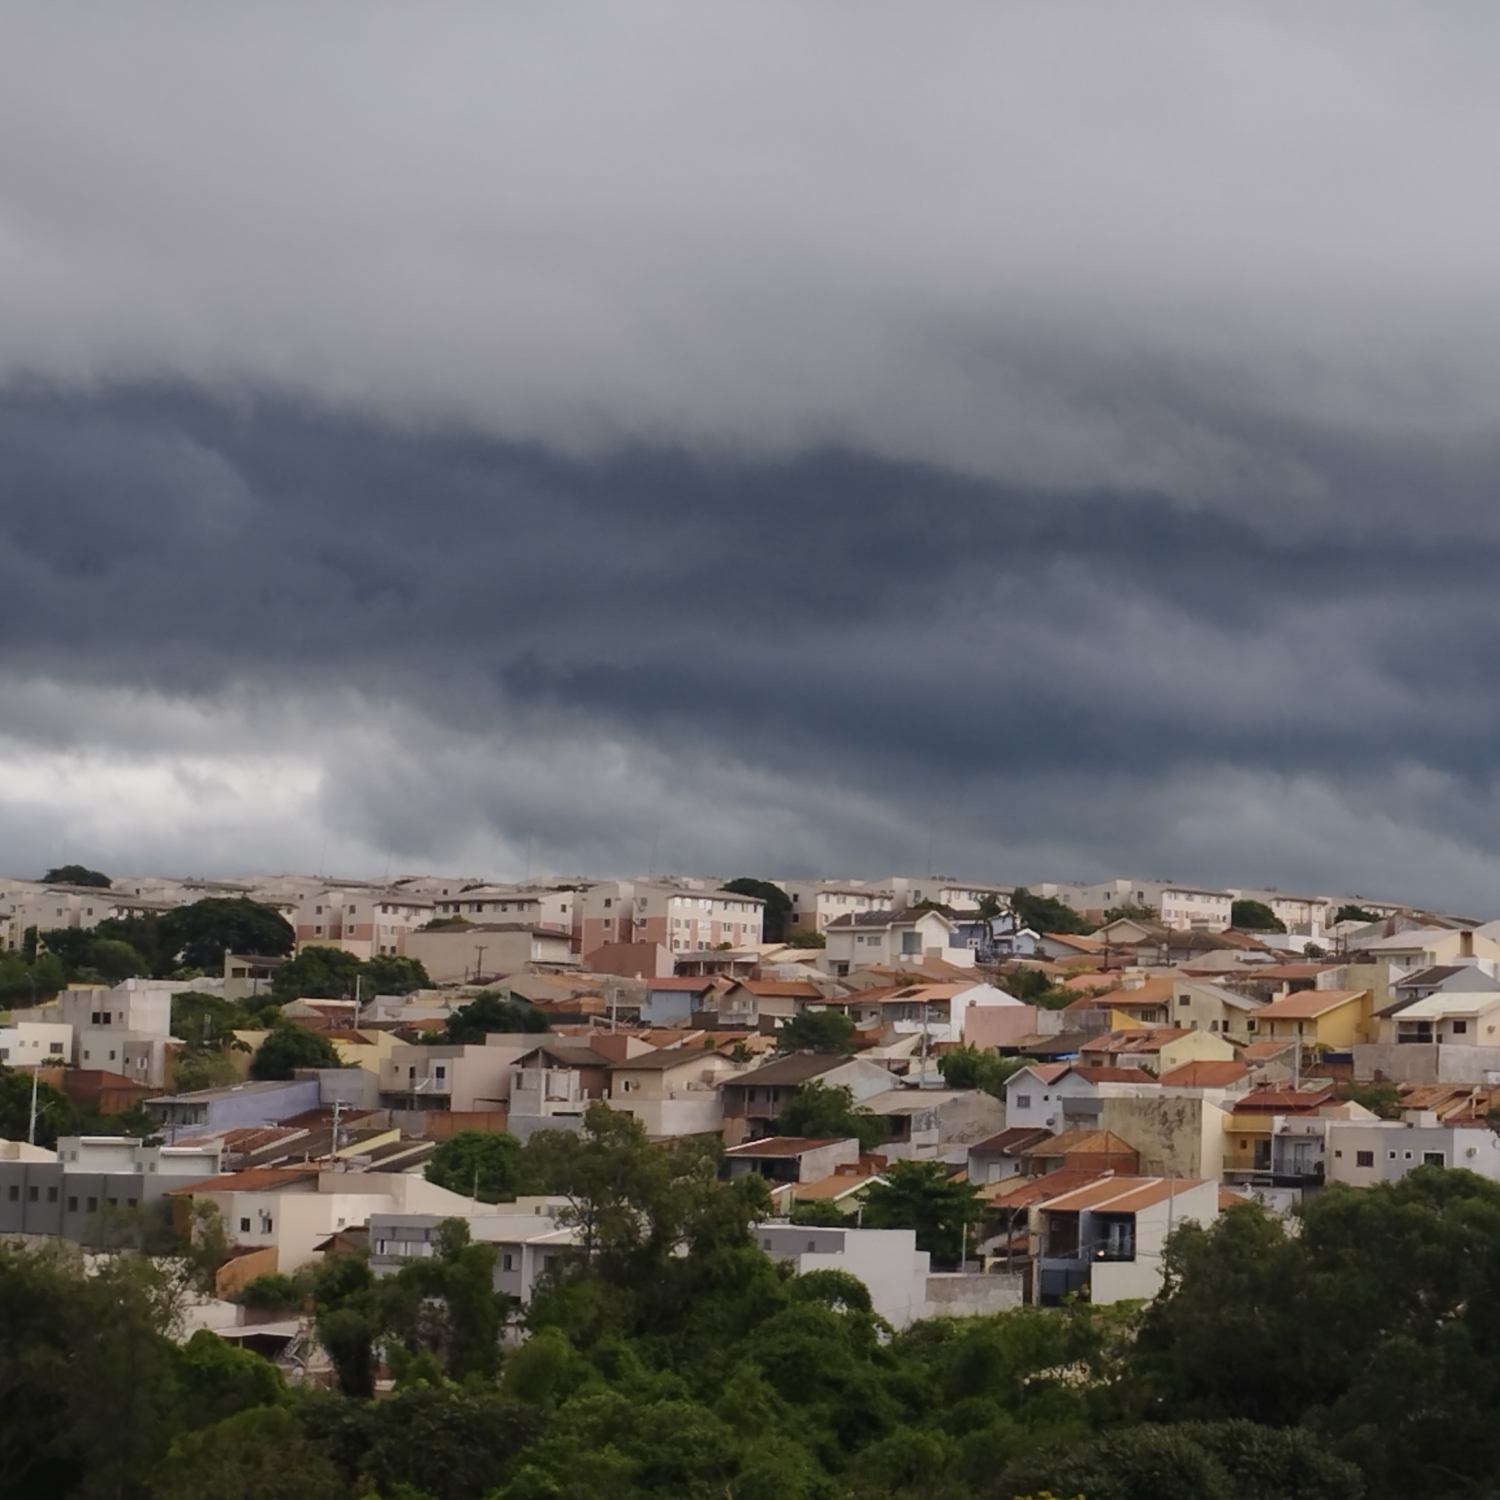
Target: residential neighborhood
945, 1101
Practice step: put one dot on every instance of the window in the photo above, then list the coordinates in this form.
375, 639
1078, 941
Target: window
51, 1195
54, 1046
1023, 1101
1364, 1158
1460, 1027
130, 1202
72, 1204
93, 1205
1184, 1000
1433, 1159
15, 1193
507, 1262
1391, 1155
244, 1226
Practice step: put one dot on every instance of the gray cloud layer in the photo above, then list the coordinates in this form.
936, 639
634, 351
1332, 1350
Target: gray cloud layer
792, 437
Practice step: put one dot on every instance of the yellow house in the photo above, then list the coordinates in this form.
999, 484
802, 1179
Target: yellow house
1335, 1019
364, 1049
1194, 1046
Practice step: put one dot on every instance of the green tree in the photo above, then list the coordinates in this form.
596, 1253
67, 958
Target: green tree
76, 875
1254, 916
55, 1114
289, 1047
316, 973
828, 1031
920, 1195
207, 1020
1044, 913
1349, 913
969, 1068
114, 960
393, 974
1132, 911
819, 1111
258, 1454
197, 936
778, 910
488, 1013
483, 1164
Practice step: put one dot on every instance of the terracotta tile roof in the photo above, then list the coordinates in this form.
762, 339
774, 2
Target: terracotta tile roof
1099, 1142
1047, 1072
1099, 1073
254, 1180
1023, 1192
783, 1145
1265, 1051
1205, 1074
1010, 1142
1148, 1039
1123, 1194
1283, 1101
788, 1072
1307, 1005
825, 1189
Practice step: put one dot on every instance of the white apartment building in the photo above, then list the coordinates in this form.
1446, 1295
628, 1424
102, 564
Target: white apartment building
1188, 907
816, 903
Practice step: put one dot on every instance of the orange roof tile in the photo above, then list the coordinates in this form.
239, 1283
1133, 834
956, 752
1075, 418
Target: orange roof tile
1307, 1005
1206, 1073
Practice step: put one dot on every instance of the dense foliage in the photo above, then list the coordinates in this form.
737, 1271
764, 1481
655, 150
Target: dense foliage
1357, 1358
816, 1031
289, 1047
488, 1013
777, 916
1045, 913
1254, 916
827, 1111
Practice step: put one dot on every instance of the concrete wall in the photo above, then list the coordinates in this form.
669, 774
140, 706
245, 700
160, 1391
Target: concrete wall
1176, 1137
1427, 1062
965, 1294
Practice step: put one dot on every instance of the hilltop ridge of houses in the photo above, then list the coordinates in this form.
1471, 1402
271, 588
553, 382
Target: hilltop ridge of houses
1155, 1069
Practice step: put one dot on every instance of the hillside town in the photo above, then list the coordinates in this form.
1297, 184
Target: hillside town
1050, 1079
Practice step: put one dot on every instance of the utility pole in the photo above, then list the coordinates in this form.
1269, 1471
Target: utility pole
31, 1128
337, 1105
479, 961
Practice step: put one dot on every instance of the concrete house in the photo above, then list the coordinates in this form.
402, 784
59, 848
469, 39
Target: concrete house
786, 1158
1332, 1019
926, 1123
527, 1237
673, 1090
209, 1111
938, 1011
1108, 1238
555, 1082
91, 1188
753, 1100
762, 1002
862, 939
1366, 1152
1062, 1096
675, 1001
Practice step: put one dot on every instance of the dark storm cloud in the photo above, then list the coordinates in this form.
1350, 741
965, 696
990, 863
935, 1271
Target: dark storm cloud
882, 627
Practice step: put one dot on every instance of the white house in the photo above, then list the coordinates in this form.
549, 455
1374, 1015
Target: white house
1366, 1152
1108, 1236
33, 1044
892, 938
903, 1288
1060, 1096
938, 1010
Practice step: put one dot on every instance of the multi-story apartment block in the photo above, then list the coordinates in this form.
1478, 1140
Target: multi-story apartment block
361, 919
1186, 907
681, 917
816, 903
488, 903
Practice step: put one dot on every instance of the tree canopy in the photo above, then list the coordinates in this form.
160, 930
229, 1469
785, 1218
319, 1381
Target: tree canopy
478, 1163
1045, 913
778, 912
1349, 913
922, 1195
289, 1047
822, 1111
316, 973
76, 875
196, 936
970, 1068
488, 1013
1254, 916
828, 1031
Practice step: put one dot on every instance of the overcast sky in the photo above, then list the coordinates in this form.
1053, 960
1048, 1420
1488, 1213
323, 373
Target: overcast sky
1027, 441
